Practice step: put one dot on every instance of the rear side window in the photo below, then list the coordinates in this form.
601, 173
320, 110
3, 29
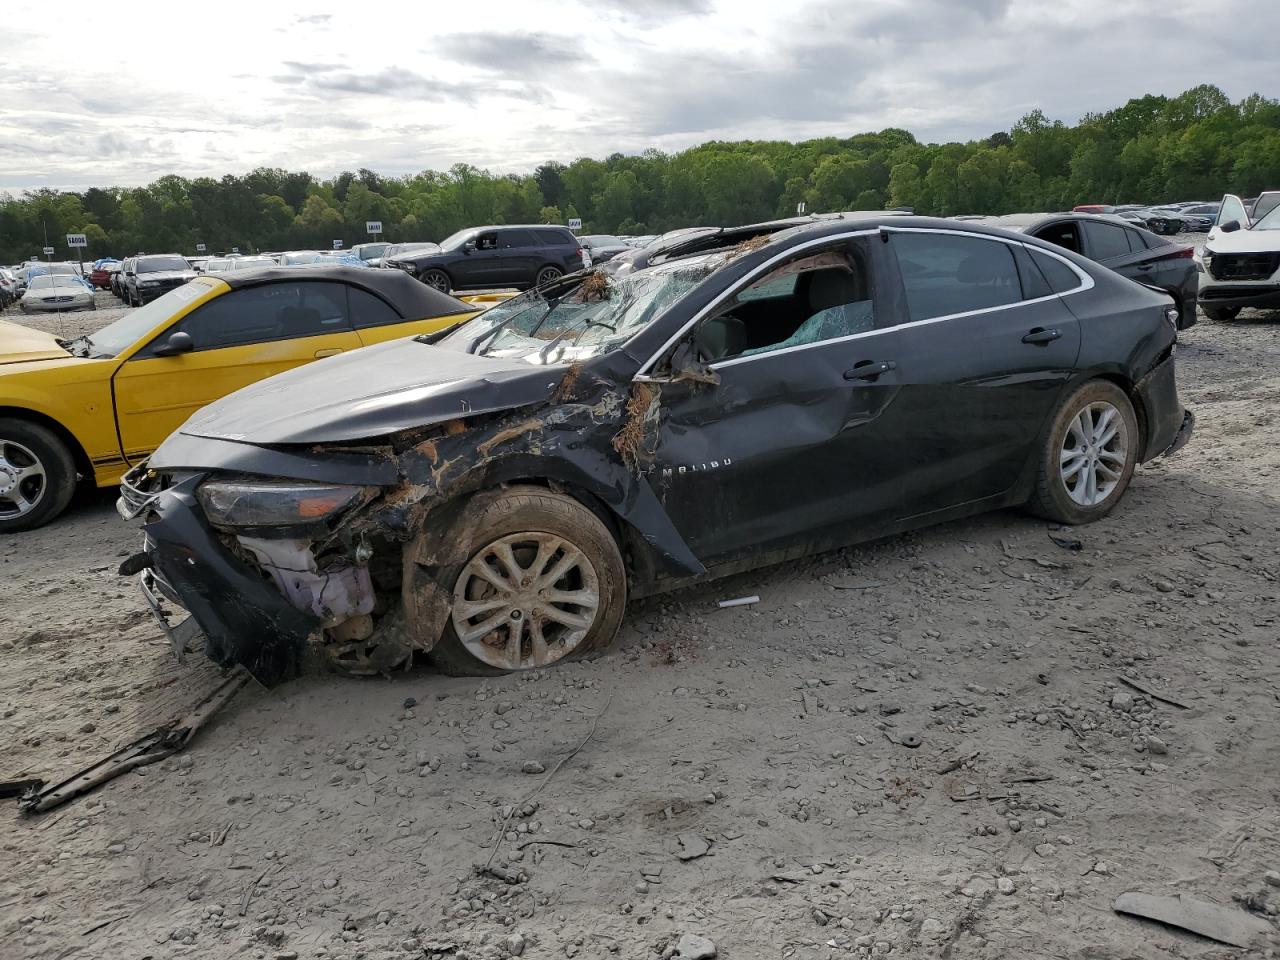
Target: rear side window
274, 311
1034, 285
1060, 234
946, 273
1060, 277
1106, 240
366, 310
555, 238
515, 238
1148, 239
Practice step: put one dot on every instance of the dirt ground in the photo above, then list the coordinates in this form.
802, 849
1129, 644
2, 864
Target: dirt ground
742, 775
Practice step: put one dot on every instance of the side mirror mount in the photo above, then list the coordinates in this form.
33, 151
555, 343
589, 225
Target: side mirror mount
1231, 226
177, 343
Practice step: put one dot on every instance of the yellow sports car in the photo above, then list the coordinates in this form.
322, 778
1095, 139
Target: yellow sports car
94, 406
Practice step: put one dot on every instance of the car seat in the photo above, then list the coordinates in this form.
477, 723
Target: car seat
838, 307
724, 336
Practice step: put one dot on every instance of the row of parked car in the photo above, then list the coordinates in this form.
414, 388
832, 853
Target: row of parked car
38, 285
1190, 216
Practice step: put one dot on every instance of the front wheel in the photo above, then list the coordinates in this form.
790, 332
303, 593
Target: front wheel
37, 475
437, 279
1088, 457
544, 582
1221, 314
548, 275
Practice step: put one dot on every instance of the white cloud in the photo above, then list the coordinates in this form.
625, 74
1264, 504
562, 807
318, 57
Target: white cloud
505, 85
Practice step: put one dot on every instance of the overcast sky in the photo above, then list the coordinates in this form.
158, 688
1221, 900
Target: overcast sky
94, 94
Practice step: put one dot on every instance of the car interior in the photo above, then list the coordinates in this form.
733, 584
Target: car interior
259, 314
1063, 234
809, 300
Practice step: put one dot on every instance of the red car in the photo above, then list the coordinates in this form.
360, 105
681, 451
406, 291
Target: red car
100, 277
1093, 208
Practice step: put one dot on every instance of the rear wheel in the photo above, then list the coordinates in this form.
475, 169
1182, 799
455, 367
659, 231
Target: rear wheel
437, 279
37, 475
544, 582
1088, 457
1221, 314
547, 275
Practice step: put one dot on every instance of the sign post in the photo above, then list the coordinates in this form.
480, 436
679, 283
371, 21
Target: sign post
800, 207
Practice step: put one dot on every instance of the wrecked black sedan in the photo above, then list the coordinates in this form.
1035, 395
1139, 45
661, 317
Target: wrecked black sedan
493, 495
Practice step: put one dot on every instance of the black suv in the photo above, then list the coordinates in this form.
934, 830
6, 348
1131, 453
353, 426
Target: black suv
515, 256
146, 278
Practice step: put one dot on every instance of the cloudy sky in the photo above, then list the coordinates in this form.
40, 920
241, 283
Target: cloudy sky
94, 94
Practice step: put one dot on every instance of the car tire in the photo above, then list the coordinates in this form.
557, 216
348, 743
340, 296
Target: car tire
535, 529
437, 279
24, 444
1221, 314
548, 274
1098, 425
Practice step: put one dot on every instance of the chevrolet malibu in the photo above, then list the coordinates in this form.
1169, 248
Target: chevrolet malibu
493, 495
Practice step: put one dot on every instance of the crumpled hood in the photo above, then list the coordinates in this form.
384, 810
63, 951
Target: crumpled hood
1244, 241
372, 392
19, 343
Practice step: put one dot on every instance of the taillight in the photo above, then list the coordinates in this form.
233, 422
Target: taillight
1184, 253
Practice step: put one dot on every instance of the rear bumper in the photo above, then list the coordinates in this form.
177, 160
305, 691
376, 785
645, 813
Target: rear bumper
1169, 423
244, 618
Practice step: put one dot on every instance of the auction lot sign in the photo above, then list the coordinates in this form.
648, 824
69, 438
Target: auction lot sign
77, 240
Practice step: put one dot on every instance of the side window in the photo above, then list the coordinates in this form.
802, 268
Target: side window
487, 241
1232, 209
1034, 285
515, 238
1264, 205
274, 311
367, 310
947, 273
811, 299
1062, 235
1106, 241
1061, 278
555, 238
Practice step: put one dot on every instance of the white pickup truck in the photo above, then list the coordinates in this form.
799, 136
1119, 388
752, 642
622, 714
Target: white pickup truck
1241, 258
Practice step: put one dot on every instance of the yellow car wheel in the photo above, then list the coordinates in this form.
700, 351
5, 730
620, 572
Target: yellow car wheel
37, 475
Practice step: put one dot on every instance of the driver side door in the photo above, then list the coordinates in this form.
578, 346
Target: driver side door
238, 338
1232, 210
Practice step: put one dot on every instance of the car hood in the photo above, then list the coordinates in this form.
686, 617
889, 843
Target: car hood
1245, 241
19, 344
167, 275
372, 392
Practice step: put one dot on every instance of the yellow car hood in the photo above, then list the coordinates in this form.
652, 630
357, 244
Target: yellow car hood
19, 343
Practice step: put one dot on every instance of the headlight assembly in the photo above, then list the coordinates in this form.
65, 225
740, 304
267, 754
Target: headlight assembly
265, 504
150, 283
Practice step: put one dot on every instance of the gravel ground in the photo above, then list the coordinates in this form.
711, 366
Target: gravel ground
739, 775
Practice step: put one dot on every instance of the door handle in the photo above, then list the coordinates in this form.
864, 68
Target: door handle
869, 369
1041, 335
1145, 265
331, 352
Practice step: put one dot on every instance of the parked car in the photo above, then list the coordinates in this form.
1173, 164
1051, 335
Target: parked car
250, 263
8, 288
1127, 249
55, 291
149, 277
1093, 208
397, 250
1164, 221
100, 275
216, 265
1241, 259
99, 403
493, 495
512, 256
370, 253
320, 258
602, 247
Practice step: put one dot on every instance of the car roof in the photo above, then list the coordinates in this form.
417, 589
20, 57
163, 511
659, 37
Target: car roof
411, 298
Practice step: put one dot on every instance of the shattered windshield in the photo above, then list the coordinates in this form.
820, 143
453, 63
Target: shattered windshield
584, 318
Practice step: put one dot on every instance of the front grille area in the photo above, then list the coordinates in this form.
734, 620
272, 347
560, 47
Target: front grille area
1244, 266
1237, 293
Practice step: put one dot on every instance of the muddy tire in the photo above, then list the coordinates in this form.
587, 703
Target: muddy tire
37, 475
1221, 314
544, 582
1087, 458
438, 280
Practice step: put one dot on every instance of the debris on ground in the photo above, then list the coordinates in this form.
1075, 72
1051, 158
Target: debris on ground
1228, 925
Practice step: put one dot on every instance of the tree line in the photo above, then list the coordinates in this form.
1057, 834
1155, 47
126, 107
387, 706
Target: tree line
1153, 149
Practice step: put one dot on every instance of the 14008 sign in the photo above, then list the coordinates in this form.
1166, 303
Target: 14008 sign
77, 240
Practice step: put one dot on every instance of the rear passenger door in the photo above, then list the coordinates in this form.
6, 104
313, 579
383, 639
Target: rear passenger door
984, 350
519, 256
1118, 248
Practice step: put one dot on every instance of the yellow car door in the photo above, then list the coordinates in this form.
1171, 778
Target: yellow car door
375, 321
233, 340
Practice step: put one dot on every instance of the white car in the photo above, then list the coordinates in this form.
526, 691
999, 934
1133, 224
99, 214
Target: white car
1240, 262
56, 291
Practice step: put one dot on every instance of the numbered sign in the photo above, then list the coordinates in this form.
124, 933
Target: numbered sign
200, 248
337, 244
235, 249
371, 226
48, 251
575, 223
77, 240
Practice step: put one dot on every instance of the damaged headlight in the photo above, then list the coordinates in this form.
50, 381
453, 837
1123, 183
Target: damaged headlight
248, 504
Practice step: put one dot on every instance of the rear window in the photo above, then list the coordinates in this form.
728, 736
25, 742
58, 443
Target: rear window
1106, 240
1061, 278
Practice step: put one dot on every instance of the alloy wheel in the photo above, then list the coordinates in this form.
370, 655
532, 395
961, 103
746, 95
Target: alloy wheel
22, 480
1094, 453
525, 601
548, 274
